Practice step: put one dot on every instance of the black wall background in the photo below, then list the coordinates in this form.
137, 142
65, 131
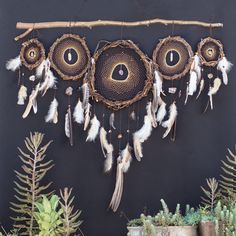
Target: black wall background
173, 171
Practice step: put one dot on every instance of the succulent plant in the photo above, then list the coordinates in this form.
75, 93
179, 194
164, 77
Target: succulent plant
48, 216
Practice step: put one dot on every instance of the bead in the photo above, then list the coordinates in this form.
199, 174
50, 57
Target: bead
119, 136
210, 76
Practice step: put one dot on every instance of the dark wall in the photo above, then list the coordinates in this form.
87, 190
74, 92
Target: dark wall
173, 171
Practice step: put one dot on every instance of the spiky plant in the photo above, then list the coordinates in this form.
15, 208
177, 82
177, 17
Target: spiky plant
70, 218
228, 178
212, 194
28, 186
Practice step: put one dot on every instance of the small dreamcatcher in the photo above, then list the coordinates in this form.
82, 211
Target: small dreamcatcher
172, 59
210, 57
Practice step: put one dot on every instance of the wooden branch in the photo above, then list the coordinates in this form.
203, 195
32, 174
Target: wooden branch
91, 24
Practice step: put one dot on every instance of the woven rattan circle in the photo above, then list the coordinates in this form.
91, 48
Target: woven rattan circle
210, 51
32, 53
60, 56
105, 87
173, 45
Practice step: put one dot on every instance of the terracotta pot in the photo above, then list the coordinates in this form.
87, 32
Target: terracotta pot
207, 228
166, 231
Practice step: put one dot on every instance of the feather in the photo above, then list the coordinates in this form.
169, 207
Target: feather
32, 103
41, 68
141, 136
161, 113
171, 120
86, 94
192, 86
94, 129
49, 82
156, 90
14, 64
112, 120
151, 114
52, 115
22, 95
224, 66
213, 90
202, 83
196, 67
107, 149
123, 164
78, 114
68, 125
133, 115
87, 116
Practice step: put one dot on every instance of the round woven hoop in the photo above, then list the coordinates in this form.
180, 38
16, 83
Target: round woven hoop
168, 45
118, 94
57, 54
210, 51
32, 53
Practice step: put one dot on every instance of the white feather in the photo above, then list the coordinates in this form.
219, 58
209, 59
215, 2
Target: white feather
112, 120
94, 129
141, 136
126, 155
158, 83
151, 114
52, 115
78, 113
49, 82
224, 66
193, 81
41, 67
22, 95
161, 113
87, 116
14, 64
107, 149
202, 83
196, 66
171, 120
67, 126
213, 90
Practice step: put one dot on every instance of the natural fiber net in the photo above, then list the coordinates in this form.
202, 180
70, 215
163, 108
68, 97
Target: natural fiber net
210, 51
107, 88
77, 68
180, 47
32, 53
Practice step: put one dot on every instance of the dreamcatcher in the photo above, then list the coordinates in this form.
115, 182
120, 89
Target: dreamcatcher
120, 76
210, 55
172, 59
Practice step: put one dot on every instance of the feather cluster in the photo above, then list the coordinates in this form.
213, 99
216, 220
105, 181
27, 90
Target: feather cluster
14, 64
52, 115
141, 136
78, 114
224, 66
123, 164
107, 149
168, 124
94, 129
22, 95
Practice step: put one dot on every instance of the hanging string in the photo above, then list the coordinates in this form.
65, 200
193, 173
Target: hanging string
128, 128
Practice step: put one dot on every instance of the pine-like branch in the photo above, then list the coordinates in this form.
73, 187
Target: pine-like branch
27, 186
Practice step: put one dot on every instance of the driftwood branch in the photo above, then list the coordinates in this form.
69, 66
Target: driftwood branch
90, 24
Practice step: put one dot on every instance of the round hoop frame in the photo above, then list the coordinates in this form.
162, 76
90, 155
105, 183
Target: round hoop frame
116, 53
32, 53
184, 51
57, 52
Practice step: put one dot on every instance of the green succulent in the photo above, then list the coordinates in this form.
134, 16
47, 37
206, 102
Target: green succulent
48, 216
192, 218
135, 223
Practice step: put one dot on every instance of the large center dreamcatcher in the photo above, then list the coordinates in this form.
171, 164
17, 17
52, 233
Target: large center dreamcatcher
118, 75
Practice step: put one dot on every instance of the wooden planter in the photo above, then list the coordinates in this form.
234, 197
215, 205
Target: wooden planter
207, 228
166, 231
